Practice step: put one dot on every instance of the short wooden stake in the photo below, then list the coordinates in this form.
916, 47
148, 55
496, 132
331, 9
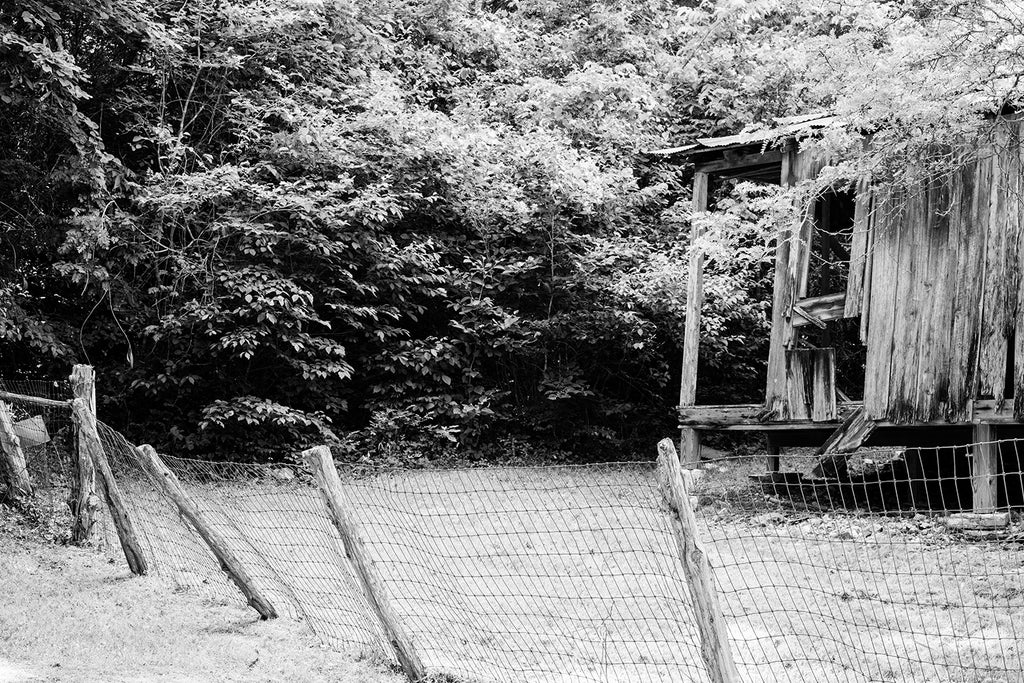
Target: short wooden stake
984, 468
321, 464
12, 455
89, 440
711, 625
84, 500
229, 562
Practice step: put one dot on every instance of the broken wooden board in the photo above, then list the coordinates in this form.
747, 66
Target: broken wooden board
854, 431
978, 521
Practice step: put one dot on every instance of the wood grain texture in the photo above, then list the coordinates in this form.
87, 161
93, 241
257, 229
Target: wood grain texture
84, 500
168, 482
85, 421
13, 457
321, 464
776, 391
689, 441
714, 634
984, 468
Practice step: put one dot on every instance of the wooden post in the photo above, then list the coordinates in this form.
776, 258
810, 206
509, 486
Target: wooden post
13, 457
84, 501
229, 562
776, 394
772, 461
321, 464
711, 625
689, 443
89, 440
984, 468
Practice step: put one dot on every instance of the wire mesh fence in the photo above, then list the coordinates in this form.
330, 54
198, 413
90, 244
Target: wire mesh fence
499, 574
880, 572
875, 576
46, 436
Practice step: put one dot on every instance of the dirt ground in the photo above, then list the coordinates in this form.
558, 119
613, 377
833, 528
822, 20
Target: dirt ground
70, 614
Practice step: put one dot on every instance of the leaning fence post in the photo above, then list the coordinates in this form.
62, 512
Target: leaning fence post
12, 455
89, 441
714, 638
229, 562
321, 463
83, 495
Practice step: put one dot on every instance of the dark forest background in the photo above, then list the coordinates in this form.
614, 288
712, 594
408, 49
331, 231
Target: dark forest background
422, 227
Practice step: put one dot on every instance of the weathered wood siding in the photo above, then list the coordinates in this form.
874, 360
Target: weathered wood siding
939, 288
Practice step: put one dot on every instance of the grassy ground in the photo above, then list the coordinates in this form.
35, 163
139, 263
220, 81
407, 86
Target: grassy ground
69, 614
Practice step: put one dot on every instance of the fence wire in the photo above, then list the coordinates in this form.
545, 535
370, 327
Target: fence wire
867, 578
498, 574
572, 574
47, 437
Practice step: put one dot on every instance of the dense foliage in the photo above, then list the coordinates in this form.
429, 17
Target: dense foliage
270, 223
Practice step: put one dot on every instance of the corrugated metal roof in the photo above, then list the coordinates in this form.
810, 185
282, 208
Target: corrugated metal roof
784, 127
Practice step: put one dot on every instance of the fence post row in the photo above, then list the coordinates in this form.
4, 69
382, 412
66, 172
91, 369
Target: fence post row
13, 457
714, 636
89, 442
321, 464
83, 495
229, 562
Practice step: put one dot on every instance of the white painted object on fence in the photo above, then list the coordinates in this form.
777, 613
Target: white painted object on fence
32, 431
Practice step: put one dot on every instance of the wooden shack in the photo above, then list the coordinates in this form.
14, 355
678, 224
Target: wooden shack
918, 289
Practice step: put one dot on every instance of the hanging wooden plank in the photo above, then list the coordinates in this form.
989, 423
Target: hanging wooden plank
13, 458
168, 482
714, 633
993, 341
903, 385
321, 464
854, 299
1018, 352
933, 341
89, 436
887, 217
690, 438
968, 294
865, 308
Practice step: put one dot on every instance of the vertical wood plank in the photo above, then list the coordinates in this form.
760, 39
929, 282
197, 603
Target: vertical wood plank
993, 337
85, 421
321, 464
869, 265
714, 634
984, 468
858, 252
969, 294
84, 500
913, 270
933, 363
1018, 352
13, 457
776, 391
887, 217
229, 562
823, 391
798, 371
689, 442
